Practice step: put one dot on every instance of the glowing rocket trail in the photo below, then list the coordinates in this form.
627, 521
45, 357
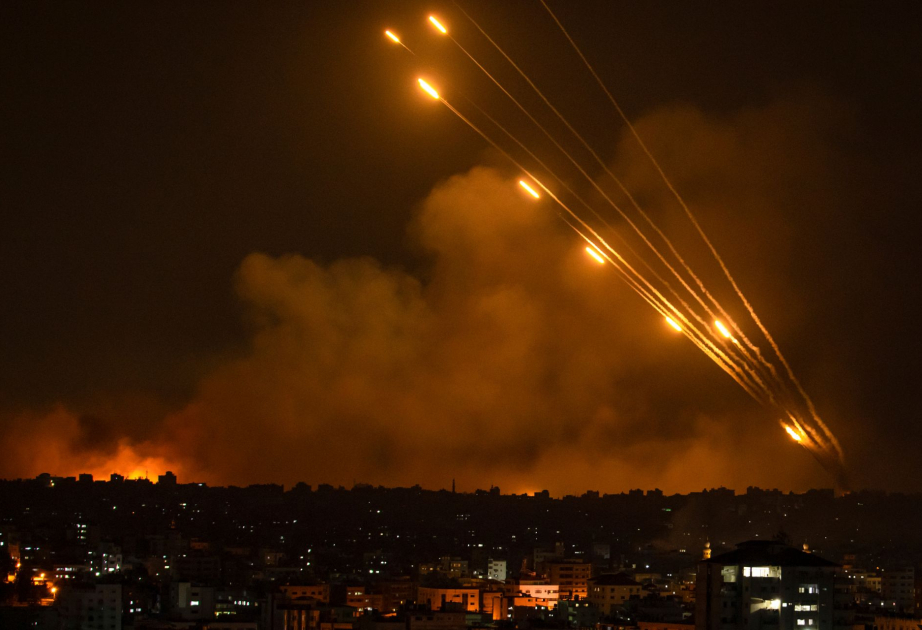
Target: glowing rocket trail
763, 397
593, 251
530, 190
635, 280
428, 89
391, 36
833, 442
577, 165
752, 363
438, 25
753, 366
750, 383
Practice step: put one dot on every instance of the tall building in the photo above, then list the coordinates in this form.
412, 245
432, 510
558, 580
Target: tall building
572, 576
766, 585
897, 589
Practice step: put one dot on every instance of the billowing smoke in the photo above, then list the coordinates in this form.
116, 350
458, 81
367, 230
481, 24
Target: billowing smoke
514, 359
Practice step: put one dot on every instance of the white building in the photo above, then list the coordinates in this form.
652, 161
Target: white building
496, 569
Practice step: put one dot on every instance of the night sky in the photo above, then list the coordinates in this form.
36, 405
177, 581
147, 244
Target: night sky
237, 242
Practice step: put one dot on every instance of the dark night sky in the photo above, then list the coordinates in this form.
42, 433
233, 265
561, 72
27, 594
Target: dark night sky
161, 161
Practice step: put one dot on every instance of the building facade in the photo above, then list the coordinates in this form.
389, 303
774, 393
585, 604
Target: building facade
765, 585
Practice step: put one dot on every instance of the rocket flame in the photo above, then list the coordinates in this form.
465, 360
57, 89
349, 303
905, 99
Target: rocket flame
428, 89
672, 323
723, 329
438, 25
794, 434
592, 252
392, 36
530, 190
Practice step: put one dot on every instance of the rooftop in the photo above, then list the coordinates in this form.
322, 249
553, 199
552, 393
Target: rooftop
614, 579
769, 553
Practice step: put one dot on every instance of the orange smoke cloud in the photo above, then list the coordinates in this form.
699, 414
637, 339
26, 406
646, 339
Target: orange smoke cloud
514, 363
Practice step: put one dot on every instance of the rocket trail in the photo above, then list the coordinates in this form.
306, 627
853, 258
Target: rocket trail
658, 302
758, 384
748, 359
752, 365
391, 36
790, 373
720, 342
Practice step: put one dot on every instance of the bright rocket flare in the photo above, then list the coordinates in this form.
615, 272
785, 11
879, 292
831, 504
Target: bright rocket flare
428, 89
438, 25
723, 329
530, 190
672, 323
592, 252
794, 434
392, 36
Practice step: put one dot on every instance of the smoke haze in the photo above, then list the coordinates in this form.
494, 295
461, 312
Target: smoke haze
513, 359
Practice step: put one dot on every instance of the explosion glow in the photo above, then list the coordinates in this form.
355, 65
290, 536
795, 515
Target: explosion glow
595, 254
438, 25
530, 190
794, 434
672, 323
428, 89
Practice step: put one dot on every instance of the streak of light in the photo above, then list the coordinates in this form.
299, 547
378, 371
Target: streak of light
750, 368
717, 257
595, 254
723, 329
392, 36
428, 89
438, 25
672, 323
794, 434
636, 281
531, 191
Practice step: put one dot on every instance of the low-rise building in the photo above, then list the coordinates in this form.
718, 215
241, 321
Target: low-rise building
611, 591
449, 598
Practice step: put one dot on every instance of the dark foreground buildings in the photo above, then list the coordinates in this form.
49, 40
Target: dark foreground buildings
129, 554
